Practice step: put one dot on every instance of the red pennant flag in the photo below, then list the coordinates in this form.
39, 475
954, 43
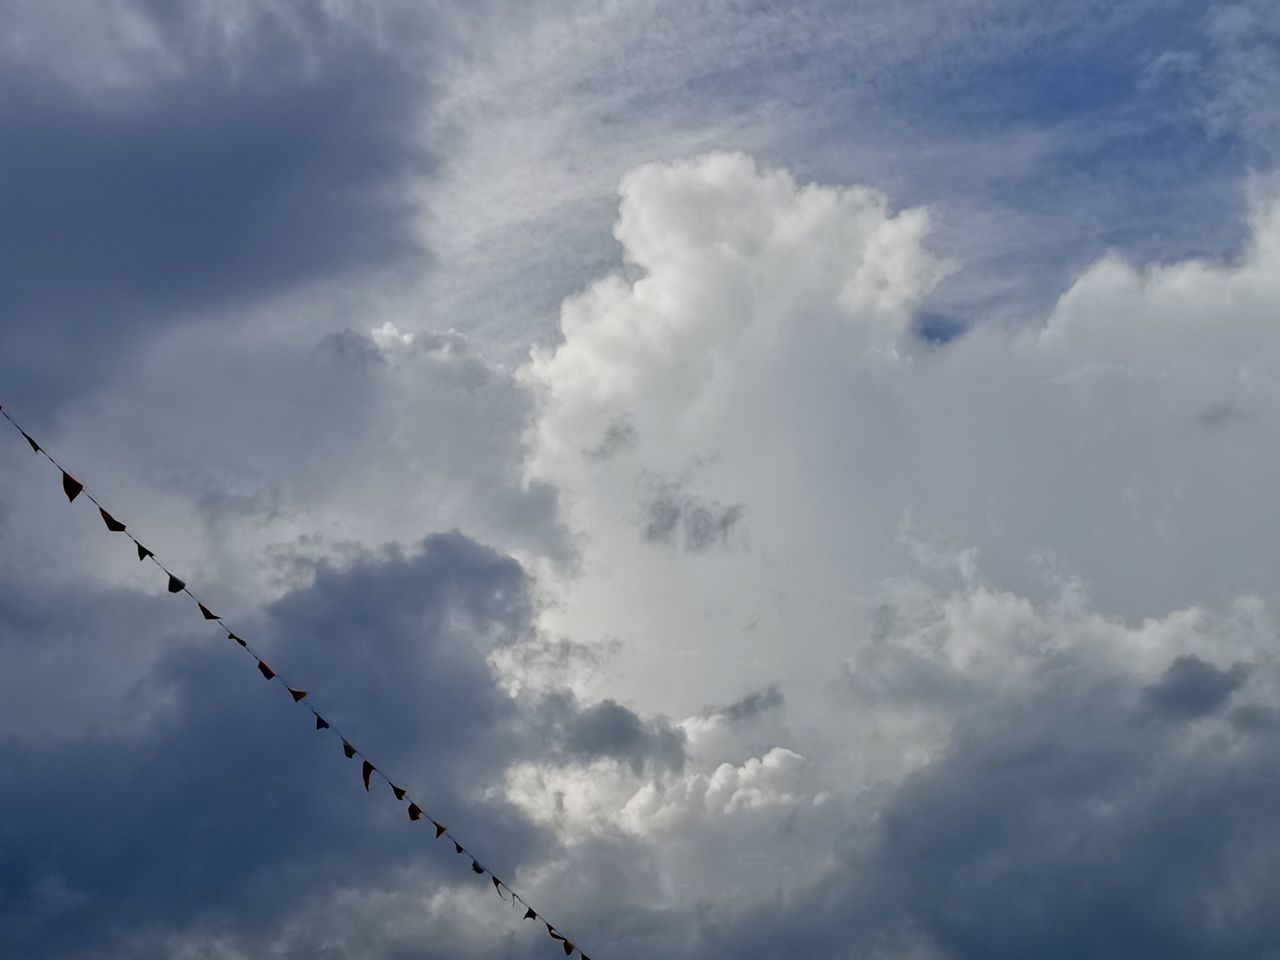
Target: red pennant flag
298, 695
176, 585
398, 791
114, 525
206, 612
415, 812
143, 552
71, 486
568, 948
321, 723
366, 771
530, 914
35, 447
476, 868
348, 749
266, 671
441, 829
232, 636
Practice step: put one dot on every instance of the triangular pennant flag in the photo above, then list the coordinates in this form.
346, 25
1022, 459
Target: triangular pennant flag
568, 948
35, 447
266, 671
143, 552
366, 771
398, 791
114, 525
176, 585
551, 931
415, 812
298, 695
441, 829
71, 486
348, 749
232, 636
498, 885
206, 612
530, 914
457, 847
321, 723
475, 867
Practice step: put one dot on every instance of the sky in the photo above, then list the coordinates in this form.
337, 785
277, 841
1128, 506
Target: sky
776, 479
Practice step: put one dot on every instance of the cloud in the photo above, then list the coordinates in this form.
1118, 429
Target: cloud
762, 343
982, 748
618, 436
609, 730
676, 518
752, 705
955, 470
1191, 688
762, 331
1056, 822
232, 166
221, 814
1245, 38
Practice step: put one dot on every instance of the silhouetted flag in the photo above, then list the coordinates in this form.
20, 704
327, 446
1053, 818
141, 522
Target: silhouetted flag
71, 486
531, 914
552, 932
366, 771
457, 847
143, 552
498, 885
267, 672
35, 447
475, 867
114, 525
232, 636
206, 612
176, 585
321, 723
441, 829
398, 791
298, 695
568, 948
415, 812
348, 749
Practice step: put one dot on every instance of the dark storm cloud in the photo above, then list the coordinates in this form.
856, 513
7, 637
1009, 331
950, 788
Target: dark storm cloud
240, 175
1061, 825
1191, 688
610, 730
227, 804
937, 329
1220, 415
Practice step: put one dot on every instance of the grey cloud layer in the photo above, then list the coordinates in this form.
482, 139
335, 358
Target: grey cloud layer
243, 169
1064, 822
223, 814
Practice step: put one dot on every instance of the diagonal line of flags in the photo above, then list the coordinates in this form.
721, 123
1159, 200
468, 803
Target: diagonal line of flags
73, 489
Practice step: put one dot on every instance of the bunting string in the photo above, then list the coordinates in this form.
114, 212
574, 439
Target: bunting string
416, 813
